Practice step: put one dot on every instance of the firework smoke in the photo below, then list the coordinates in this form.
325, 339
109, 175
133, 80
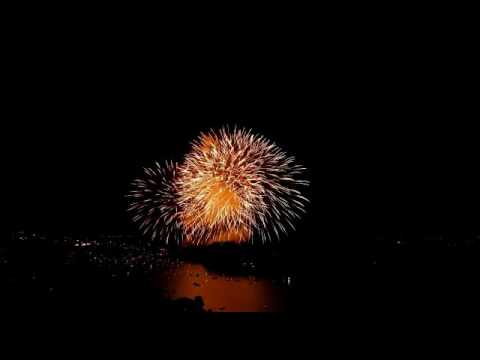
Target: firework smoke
232, 186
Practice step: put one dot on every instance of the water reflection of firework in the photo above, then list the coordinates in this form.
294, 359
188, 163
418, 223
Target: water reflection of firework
232, 186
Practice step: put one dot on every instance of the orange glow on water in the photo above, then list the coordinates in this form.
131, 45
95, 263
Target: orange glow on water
222, 293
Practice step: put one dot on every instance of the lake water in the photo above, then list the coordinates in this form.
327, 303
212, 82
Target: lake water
222, 292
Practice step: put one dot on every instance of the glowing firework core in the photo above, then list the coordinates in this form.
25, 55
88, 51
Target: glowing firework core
231, 185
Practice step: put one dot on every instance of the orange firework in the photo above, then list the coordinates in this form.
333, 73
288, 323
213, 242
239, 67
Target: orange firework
232, 186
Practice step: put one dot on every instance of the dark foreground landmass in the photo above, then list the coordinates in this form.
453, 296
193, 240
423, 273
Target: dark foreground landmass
394, 275
113, 272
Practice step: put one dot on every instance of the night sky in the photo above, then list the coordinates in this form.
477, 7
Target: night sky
379, 111
381, 119
385, 133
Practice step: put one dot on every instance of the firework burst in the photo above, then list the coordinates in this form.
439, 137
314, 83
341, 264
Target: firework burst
232, 186
154, 204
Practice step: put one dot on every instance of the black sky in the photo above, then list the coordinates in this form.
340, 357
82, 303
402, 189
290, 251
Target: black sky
381, 119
